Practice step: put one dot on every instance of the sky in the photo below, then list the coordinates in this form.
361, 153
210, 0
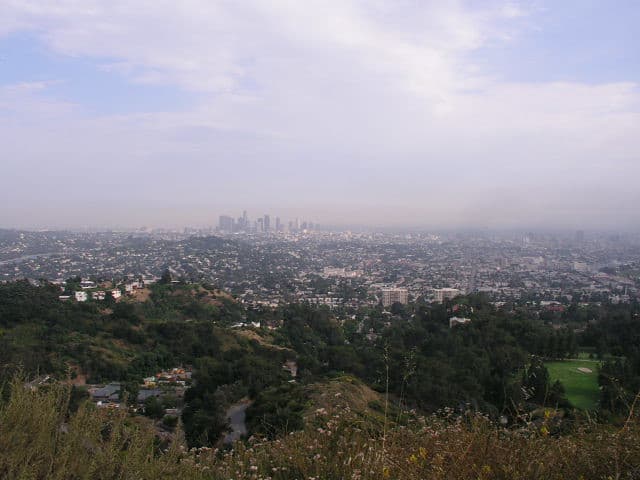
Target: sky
492, 114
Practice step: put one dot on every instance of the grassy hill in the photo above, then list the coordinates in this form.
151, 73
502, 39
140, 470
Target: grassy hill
580, 380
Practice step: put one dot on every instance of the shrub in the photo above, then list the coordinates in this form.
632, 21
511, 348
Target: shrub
40, 439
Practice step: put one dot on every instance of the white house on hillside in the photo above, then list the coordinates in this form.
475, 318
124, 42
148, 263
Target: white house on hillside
453, 321
81, 296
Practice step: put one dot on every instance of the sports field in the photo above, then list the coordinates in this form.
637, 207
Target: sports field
580, 380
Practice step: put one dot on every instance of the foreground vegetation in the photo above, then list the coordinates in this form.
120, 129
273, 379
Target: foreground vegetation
41, 439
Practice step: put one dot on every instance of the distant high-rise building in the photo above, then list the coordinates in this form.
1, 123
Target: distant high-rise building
580, 236
226, 223
260, 225
278, 225
267, 223
394, 295
582, 267
442, 294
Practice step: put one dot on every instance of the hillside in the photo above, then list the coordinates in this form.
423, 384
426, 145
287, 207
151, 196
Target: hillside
325, 393
40, 440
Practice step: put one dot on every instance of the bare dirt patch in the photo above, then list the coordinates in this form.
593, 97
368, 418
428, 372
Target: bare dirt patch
251, 335
141, 295
585, 370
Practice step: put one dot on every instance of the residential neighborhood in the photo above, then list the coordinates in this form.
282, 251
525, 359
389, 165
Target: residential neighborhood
335, 269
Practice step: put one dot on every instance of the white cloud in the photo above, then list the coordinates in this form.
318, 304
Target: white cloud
364, 102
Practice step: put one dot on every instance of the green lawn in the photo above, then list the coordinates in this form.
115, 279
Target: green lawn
581, 387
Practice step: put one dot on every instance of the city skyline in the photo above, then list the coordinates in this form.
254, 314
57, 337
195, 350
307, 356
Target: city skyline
505, 114
262, 224
211, 224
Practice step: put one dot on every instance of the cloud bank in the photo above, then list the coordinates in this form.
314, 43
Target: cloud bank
384, 113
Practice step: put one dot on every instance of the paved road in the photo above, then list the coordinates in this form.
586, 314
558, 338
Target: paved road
236, 415
24, 258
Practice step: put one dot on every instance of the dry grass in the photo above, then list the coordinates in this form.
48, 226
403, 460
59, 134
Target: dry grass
343, 446
263, 340
332, 395
140, 295
39, 441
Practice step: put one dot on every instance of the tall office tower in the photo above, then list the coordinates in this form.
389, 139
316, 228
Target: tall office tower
394, 295
267, 223
245, 220
278, 225
260, 225
579, 236
442, 294
297, 224
225, 223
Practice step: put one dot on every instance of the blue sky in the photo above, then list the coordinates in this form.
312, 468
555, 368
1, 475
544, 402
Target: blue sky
583, 41
81, 79
442, 114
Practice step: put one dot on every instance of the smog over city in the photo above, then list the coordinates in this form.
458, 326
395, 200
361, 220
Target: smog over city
385, 114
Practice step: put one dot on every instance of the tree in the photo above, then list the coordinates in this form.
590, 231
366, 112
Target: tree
277, 410
537, 384
397, 308
153, 408
203, 420
166, 278
129, 391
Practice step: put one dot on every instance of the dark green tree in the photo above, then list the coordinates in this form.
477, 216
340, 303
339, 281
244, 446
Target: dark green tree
165, 279
153, 408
